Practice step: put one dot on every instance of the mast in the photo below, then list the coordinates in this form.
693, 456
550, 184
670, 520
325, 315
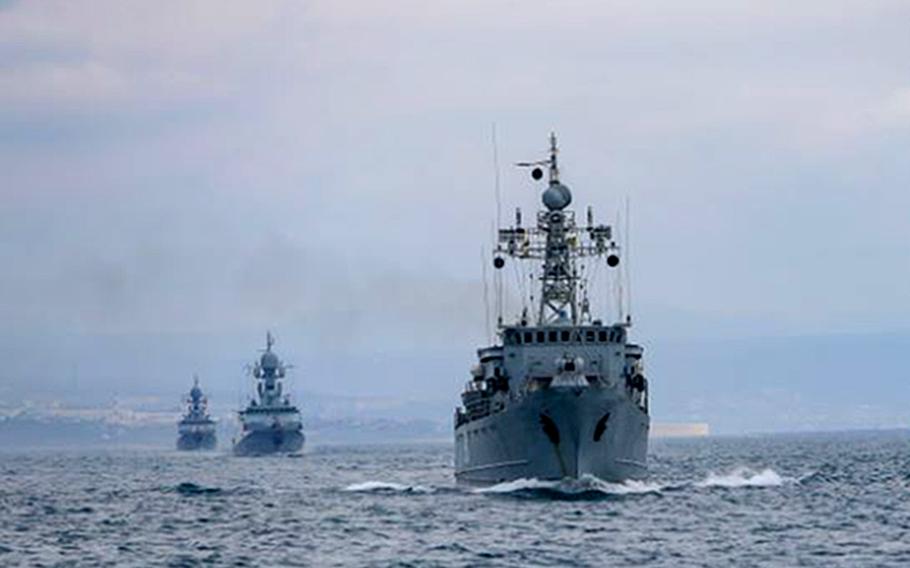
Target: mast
269, 371
559, 279
557, 243
196, 401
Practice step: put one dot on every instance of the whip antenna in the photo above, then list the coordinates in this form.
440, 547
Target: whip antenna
627, 271
620, 281
497, 185
496, 177
486, 299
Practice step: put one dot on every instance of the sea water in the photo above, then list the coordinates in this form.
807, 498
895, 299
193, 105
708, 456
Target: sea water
796, 500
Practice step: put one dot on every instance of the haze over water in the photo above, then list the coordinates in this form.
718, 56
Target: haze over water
176, 179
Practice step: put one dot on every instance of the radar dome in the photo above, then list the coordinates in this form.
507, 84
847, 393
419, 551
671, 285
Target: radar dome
557, 196
269, 360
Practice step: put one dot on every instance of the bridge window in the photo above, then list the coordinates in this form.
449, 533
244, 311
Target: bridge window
551, 337
541, 337
589, 336
529, 337
565, 335
602, 336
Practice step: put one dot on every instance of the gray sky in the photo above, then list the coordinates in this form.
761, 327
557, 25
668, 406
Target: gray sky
324, 169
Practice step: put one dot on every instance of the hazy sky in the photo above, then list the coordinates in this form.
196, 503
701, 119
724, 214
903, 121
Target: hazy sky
324, 169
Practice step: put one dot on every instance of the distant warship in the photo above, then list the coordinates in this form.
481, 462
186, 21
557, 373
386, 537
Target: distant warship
271, 424
196, 429
562, 395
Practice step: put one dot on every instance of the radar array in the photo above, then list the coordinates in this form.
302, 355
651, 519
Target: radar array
557, 243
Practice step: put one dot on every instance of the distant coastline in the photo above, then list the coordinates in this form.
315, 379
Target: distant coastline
680, 430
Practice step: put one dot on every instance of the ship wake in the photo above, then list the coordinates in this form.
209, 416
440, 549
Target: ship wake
587, 487
744, 477
386, 487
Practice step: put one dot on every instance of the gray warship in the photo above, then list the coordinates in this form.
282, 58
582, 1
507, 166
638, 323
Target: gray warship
562, 395
271, 424
196, 429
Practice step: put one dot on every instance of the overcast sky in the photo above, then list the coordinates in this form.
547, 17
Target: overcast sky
324, 169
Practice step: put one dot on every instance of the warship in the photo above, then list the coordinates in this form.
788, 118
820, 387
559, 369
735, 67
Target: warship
196, 429
271, 424
559, 394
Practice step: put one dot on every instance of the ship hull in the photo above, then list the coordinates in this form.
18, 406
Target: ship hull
555, 433
267, 442
197, 441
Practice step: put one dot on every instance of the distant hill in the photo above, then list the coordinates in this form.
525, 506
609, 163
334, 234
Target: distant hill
824, 382
737, 385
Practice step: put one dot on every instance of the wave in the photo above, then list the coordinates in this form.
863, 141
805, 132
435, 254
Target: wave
188, 488
586, 487
743, 477
816, 477
386, 487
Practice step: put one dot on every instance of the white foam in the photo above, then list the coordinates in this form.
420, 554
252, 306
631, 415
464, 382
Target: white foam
632, 486
743, 477
573, 486
386, 486
518, 485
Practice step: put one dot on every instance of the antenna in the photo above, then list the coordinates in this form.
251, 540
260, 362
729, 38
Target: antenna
498, 263
486, 300
554, 168
497, 277
496, 178
620, 295
627, 271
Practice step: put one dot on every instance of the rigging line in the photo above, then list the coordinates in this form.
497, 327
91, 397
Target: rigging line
500, 301
496, 174
497, 280
497, 185
607, 292
593, 287
628, 255
519, 277
497, 300
486, 300
619, 280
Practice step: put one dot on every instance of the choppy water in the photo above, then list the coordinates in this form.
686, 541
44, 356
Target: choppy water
771, 501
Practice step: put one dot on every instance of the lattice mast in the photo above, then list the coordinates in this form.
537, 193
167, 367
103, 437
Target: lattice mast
558, 244
268, 372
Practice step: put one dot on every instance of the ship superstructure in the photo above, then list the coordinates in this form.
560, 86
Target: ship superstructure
560, 394
270, 423
196, 429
